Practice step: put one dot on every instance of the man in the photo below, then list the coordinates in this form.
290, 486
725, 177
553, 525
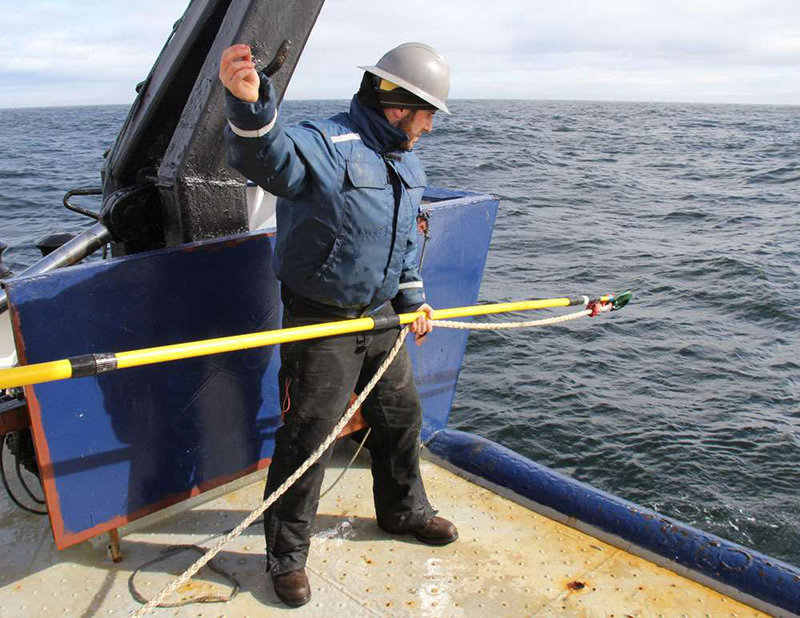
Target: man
349, 190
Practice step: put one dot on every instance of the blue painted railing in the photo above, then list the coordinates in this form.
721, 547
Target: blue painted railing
750, 572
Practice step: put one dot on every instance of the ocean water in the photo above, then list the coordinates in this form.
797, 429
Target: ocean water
688, 400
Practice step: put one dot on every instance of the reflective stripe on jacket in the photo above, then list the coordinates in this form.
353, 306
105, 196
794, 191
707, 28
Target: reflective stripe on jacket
348, 198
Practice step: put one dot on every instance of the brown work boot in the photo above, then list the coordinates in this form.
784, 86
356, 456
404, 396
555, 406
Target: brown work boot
292, 588
435, 531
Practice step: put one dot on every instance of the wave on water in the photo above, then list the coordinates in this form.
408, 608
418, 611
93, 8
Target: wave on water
780, 175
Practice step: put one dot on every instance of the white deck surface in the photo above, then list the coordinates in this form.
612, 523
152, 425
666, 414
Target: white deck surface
509, 561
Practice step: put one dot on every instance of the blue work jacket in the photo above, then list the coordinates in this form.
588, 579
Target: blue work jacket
348, 199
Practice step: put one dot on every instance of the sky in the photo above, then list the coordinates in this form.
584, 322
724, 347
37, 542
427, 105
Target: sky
62, 52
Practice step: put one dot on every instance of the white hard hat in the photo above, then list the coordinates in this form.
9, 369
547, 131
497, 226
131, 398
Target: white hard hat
419, 69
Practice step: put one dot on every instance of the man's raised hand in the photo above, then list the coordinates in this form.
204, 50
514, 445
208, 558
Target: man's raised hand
237, 72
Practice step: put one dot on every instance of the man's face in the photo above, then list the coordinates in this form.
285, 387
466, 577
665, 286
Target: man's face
414, 124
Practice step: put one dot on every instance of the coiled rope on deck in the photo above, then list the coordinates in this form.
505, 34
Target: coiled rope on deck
157, 600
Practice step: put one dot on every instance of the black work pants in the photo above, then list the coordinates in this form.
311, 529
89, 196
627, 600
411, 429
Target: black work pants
315, 381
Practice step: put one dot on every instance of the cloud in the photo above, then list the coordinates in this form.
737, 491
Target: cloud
703, 50
700, 50
62, 52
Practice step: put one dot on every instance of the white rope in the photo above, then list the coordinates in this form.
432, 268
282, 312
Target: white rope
509, 325
187, 575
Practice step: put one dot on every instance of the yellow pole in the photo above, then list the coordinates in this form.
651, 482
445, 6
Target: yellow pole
34, 374
178, 351
76, 367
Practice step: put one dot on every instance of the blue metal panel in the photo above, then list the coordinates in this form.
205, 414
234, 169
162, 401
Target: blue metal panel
744, 569
123, 444
120, 445
460, 231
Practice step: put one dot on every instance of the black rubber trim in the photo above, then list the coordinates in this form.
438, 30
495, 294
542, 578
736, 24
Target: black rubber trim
92, 364
382, 322
83, 366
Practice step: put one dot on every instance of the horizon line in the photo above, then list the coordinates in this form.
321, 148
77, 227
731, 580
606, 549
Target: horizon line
521, 99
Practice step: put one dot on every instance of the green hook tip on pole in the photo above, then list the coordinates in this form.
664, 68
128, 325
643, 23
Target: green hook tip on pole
620, 301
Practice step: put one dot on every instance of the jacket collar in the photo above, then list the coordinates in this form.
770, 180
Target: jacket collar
375, 131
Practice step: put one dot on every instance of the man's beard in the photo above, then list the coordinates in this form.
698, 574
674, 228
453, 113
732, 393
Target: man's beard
405, 126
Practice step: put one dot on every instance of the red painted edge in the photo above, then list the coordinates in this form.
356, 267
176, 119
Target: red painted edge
45, 462
66, 539
39, 441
